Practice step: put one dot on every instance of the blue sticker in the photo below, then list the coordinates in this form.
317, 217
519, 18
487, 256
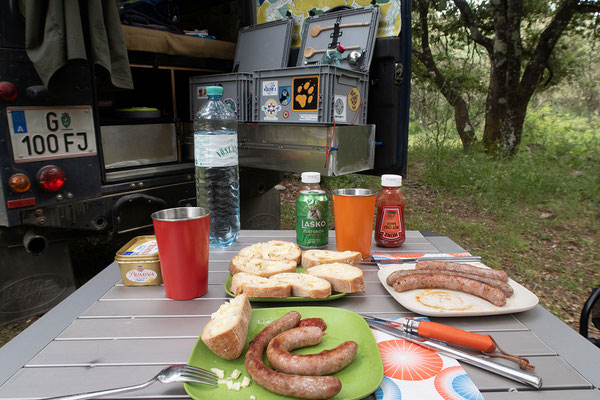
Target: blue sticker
285, 95
18, 120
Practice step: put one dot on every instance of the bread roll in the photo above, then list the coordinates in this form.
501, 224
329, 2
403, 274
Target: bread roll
310, 258
225, 333
344, 278
273, 250
260, 267
304, 285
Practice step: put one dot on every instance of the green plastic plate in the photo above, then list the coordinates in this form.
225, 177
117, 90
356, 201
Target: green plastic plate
299, 270
362, 377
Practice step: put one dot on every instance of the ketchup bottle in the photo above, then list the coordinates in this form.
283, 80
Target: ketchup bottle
389, 229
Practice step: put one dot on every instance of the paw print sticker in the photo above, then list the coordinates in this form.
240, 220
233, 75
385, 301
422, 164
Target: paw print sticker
305, 93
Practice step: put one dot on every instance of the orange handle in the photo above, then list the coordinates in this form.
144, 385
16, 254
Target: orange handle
448, 334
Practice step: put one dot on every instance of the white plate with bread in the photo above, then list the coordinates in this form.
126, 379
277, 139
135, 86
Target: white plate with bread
270, 271
401, 281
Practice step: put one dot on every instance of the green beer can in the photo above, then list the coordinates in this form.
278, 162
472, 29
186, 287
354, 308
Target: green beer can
312, 219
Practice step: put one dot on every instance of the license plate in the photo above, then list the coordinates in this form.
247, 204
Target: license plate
43, 133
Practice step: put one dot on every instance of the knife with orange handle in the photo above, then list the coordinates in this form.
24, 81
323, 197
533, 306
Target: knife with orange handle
444, 333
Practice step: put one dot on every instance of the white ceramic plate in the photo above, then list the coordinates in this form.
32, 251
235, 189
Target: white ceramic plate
449, 303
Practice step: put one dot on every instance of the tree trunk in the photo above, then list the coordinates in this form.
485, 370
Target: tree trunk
451, 94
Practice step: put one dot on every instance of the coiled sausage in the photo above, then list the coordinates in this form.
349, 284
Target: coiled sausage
305, 387
323, 363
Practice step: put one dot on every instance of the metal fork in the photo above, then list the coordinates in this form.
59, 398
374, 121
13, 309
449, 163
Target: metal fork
174, 373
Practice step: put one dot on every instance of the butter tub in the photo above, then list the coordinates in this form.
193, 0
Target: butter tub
139, 263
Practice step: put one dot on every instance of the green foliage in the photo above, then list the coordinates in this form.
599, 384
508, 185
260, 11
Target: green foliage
560, 159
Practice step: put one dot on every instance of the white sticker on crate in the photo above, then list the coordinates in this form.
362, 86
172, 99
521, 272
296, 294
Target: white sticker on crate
270, 88
339, 108
271, 108
308, 117
201, 92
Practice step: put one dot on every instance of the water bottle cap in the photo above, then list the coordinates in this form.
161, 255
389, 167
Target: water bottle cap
214, 91
391, 180
341, 48
310, 177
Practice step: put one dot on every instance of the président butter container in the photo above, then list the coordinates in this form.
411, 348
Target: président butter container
139, 263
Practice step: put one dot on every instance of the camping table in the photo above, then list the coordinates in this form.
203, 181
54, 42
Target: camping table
107, 335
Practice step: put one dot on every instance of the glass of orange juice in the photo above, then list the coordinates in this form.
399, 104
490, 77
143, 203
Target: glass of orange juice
353, 211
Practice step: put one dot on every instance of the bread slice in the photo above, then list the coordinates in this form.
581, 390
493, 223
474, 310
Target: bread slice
225, 333
260, 267
310, 258
257, 286
304, 285
273, 250
344, 278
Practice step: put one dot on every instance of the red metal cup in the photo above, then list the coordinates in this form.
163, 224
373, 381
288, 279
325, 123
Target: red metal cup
182, 238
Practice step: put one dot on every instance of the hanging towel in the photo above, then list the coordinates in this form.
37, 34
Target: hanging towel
54, 36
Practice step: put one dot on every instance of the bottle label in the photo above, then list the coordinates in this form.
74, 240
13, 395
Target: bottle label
215, 150
391, 223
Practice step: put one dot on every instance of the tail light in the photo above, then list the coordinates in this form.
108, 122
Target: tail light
19, 183
52, 178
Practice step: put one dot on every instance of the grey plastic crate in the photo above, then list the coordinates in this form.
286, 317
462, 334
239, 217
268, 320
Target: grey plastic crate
258, 47
316, 94
237, 92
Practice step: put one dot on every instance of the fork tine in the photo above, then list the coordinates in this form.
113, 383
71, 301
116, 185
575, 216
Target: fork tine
186, 378
198, 371
197, 375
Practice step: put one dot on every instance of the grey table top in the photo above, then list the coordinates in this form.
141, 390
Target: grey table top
108, 335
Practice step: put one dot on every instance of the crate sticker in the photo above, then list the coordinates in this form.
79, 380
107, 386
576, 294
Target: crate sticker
286, 114
269, 88
354, 99
308, 117
285, 95
231, 103
201, 92
339, 108
305, 93
271, 108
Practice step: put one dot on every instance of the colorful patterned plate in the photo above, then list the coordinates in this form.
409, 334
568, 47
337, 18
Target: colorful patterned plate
359, 379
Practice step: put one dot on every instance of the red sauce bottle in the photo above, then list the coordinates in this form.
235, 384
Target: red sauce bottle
389, 228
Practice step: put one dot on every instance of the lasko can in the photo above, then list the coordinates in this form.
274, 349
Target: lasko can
312, 219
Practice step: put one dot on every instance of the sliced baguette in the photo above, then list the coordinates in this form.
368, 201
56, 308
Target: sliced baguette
344, 278
257, 286
260, 267
225, 333
310, 258
304, 285
273, 250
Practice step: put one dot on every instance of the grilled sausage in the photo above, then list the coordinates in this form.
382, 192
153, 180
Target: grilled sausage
466, 285
505, 287
464, 268
323, 363
305, 387
313, 322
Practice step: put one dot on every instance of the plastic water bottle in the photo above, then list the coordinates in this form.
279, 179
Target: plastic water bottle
333, 57
216, 160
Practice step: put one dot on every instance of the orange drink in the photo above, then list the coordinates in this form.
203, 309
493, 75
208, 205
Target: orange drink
353, 210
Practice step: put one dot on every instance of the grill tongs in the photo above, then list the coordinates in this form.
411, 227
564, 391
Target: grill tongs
440, 348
